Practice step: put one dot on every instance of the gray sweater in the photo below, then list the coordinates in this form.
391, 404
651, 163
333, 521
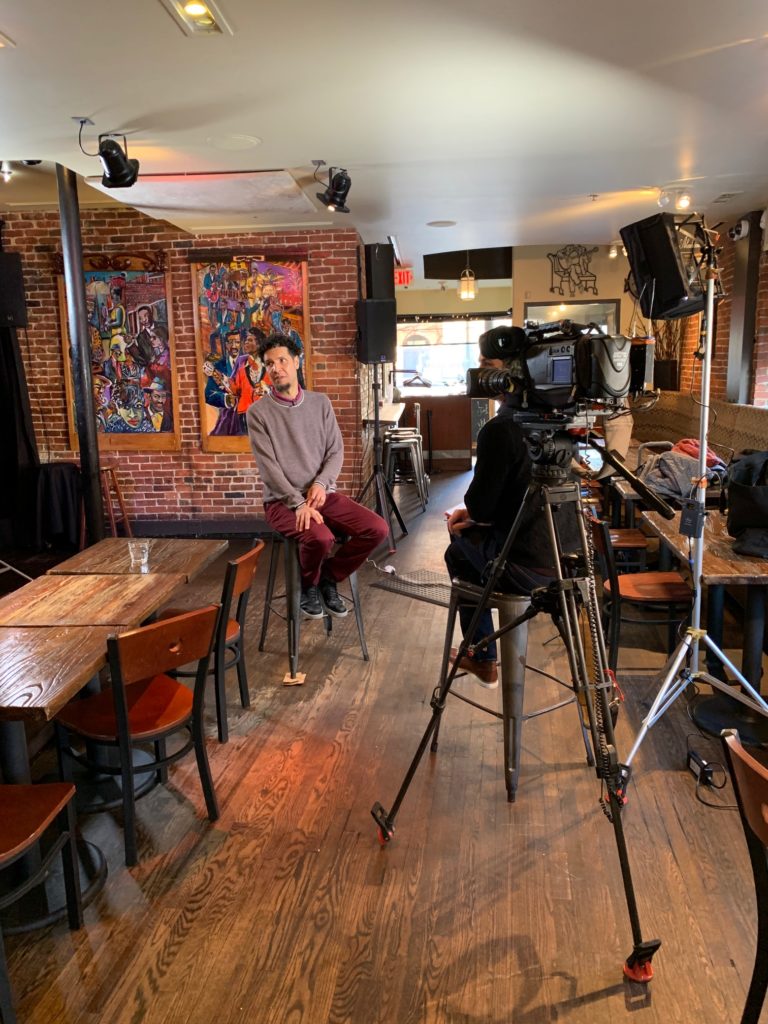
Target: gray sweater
295, 446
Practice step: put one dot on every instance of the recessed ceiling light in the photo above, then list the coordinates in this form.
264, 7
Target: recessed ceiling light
195, 17
233, 142
441, 223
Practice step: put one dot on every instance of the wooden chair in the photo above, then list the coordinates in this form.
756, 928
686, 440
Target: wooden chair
145, 705
750, 783
26, 812
229, 633
645, 589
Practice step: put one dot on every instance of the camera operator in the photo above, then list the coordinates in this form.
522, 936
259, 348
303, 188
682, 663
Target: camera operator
478, 530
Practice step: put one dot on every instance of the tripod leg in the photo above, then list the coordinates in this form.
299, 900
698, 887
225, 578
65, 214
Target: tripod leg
393, 505
385, 820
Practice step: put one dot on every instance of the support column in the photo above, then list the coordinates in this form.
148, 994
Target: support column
80, 349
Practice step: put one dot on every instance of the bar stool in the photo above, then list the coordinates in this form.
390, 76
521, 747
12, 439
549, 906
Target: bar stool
292, 597
408, 441
513, 647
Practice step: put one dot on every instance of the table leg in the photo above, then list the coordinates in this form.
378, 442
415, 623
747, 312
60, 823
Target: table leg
715, 610
718, 712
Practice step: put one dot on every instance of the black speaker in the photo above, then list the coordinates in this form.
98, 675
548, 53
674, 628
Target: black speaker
13, 306
376, 330
667, 281
380, 271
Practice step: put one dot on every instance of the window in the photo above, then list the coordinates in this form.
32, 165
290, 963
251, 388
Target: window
439, 351
604, 314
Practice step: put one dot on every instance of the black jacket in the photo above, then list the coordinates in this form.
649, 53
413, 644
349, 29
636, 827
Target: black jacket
498, 487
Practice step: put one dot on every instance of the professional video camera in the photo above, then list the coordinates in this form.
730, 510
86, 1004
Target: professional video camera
561, 366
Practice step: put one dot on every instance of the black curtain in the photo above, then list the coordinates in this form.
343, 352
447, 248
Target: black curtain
19, 459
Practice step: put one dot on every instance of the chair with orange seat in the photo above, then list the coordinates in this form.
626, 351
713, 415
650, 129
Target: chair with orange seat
144, 705
750, 783
644, 589
238, 580
26, 812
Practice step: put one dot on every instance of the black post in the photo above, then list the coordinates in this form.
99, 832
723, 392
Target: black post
80, 345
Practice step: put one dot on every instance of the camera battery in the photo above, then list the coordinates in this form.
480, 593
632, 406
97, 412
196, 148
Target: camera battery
692, 519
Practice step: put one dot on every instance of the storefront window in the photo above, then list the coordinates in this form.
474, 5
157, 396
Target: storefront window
440, 352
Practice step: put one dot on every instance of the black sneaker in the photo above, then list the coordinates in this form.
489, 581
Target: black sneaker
310, 603
331, 599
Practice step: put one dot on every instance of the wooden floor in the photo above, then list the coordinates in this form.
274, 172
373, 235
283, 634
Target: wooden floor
287, 910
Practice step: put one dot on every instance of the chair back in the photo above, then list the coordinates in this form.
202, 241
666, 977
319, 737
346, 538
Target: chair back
160, 646
750, 781
601, 539
237, 585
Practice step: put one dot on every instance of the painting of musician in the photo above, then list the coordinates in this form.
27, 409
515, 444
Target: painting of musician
238, 302
131, 338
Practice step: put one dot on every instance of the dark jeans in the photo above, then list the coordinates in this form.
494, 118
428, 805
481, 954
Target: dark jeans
469, 558
364, 530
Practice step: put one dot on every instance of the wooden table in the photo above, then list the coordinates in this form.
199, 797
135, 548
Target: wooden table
110, 556
389, 413
723, 566
93, 600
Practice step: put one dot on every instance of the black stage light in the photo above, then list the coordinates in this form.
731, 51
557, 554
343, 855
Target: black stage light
339, 184
119, 171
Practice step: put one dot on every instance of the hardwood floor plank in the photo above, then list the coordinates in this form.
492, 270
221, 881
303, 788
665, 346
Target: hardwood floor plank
287, 910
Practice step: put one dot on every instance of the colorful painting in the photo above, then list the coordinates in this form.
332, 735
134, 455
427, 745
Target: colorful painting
133, 368
239, 301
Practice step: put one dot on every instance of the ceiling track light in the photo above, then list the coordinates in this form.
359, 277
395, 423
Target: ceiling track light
119, 171
677, 197
339, 183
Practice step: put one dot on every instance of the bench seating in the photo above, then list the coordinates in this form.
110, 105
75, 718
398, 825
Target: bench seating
245, 528
676, 415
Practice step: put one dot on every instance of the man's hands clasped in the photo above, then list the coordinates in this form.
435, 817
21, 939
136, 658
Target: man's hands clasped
309, 511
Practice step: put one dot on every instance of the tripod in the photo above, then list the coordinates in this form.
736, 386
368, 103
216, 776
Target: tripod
385, 502
572, 602
681, 668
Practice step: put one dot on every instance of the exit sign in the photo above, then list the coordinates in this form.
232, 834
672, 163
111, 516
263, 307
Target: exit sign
403, 276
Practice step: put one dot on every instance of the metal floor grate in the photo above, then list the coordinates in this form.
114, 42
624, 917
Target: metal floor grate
420, 584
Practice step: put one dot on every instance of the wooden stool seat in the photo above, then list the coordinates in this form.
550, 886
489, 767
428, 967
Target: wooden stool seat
154, 706
663, 587
626, 537
26, 812
232, 629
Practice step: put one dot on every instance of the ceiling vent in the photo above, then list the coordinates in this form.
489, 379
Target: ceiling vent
726, 197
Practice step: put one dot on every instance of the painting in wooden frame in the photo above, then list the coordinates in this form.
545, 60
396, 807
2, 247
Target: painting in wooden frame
133, 364
238, 301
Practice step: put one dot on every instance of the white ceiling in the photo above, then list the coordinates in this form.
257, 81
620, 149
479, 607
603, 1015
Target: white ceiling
502, 115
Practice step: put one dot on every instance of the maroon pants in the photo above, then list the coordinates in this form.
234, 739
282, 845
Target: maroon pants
364, 529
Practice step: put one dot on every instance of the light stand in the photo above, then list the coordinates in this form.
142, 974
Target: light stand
385, 502
681, 669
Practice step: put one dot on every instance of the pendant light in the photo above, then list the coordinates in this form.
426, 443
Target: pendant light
467, 289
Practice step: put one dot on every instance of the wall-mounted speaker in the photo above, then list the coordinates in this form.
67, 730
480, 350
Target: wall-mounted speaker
13, 306
665, 278
376, 330
380, 271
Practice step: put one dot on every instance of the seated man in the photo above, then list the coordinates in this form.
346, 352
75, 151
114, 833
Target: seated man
492, 501
299, 452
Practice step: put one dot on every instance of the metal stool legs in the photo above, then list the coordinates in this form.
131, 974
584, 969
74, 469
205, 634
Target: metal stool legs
293, 601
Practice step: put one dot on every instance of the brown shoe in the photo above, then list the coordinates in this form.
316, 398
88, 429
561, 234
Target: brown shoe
486, 672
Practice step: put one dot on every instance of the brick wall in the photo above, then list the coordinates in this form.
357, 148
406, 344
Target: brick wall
190, 483
690, 368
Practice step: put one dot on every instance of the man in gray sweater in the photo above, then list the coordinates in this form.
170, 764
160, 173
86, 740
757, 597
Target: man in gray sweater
299, 452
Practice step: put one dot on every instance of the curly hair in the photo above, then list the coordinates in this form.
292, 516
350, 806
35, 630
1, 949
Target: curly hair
278, 340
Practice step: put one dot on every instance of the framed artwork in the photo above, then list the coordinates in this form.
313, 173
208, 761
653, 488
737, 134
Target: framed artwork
133, 365
238, 302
